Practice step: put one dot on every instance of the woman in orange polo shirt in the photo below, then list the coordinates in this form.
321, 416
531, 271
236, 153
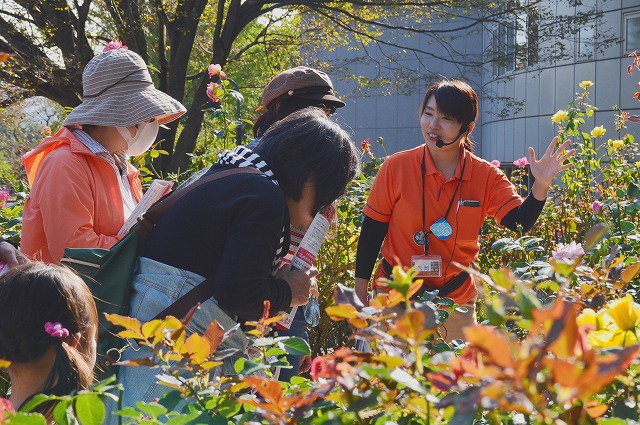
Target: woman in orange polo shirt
428, 204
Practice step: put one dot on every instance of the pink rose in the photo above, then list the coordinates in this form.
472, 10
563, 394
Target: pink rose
521, 162
495, 163
211, 88
115, 44
216, 69
596, 207
568, 252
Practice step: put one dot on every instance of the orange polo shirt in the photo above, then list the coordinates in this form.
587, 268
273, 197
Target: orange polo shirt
396, 198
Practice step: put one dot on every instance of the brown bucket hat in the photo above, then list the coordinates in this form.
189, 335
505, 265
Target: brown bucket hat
302, 82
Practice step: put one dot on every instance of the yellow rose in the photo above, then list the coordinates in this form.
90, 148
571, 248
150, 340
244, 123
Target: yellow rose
624, 339
586, 84
616, 144
559, 116
602, 338
598, 131
638, 164
588, 317
624, 312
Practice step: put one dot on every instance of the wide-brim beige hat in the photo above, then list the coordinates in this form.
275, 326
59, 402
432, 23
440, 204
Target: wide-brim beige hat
118, 92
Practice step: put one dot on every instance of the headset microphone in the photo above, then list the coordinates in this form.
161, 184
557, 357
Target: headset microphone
440, 143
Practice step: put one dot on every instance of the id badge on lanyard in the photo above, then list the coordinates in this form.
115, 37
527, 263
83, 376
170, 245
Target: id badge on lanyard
427, 265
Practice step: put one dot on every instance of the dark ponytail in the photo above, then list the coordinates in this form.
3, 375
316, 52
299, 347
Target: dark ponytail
34, 294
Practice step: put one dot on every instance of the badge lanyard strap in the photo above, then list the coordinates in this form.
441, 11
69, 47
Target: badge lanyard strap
423, 169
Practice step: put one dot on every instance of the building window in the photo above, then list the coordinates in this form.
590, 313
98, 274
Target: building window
632, 32
587, 41
514, 42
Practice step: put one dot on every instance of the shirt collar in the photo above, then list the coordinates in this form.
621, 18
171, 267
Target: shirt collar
465, 155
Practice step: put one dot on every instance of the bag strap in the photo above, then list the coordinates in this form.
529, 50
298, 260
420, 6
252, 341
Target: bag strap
157, 210
200, 293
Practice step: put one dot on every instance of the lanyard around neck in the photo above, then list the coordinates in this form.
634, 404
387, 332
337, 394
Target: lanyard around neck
423, 169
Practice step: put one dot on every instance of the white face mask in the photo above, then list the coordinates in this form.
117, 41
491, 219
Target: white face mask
146, 133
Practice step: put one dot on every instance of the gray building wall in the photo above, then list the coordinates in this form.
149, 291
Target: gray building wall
544, 89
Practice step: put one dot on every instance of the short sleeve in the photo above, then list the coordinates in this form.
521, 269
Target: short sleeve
503, 196
382, 197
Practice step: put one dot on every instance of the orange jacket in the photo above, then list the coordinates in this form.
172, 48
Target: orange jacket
75, 198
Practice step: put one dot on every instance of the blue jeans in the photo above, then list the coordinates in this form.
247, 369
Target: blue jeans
298, 328
155, 287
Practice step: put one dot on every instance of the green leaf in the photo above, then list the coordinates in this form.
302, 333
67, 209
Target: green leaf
627, 227
90, 409
296, 346
63, 413
611, 421
184, 419
22, 418
128, 412
501, 243
36, 401
229, 407
151, 409
275, 351
247, 367
633, 191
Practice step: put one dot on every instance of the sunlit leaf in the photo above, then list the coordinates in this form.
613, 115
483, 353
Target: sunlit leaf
630, 272
154, 410
341, 311
149, 329
63, 413
214, 335
595, 410
402, 377
295, 346
197, 347
129, 323
493, 343
90, 409
595, 235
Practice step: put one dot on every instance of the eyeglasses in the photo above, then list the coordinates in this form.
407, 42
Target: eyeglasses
329, 110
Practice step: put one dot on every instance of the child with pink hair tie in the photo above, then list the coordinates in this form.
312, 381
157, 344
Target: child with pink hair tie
48, 331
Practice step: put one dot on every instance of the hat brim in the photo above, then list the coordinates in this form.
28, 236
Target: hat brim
328, 97
126, 109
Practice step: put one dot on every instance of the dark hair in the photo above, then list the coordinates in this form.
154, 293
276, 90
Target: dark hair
306, 145
282, 108
36, 293
455, 99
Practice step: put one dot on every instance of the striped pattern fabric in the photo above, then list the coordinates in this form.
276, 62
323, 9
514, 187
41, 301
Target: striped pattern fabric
118, 92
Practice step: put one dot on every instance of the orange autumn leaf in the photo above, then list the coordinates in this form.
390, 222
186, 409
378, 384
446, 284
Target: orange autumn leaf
341, 311
595, 409
198, 348
410, 327
4, 56
494, 344
214, 335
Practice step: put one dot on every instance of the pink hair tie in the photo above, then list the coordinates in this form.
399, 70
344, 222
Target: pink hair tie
56, 330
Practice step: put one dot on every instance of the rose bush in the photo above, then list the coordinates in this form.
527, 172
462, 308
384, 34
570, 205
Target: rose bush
558, 342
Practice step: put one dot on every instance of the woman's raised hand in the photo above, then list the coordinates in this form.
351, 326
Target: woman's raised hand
545, 169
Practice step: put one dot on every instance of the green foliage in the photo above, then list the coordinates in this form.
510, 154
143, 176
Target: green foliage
558, 343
